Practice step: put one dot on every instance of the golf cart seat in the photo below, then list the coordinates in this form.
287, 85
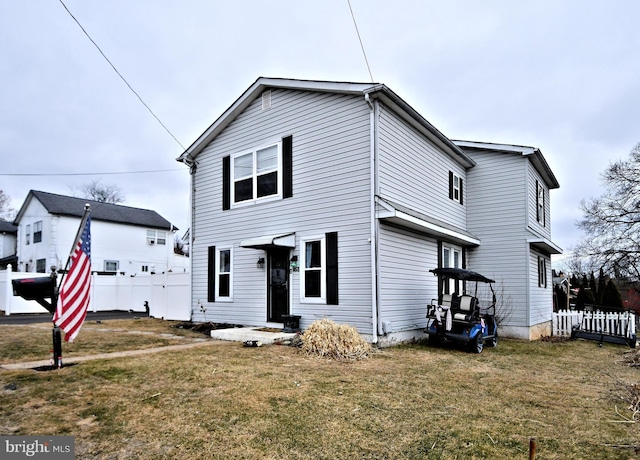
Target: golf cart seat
467, 309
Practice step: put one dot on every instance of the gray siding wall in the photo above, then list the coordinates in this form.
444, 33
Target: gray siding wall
406, 286
415, 173
537, 227
497, 213
331, 193
541, 298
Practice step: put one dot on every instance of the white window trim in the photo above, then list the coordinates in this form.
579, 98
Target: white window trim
217, 274
117, 262
323, 270
154, 237
453, 250
542, 272
540, 200
256, 199
456, 189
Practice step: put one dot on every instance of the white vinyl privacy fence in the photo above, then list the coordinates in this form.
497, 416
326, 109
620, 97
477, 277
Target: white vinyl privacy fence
168, 294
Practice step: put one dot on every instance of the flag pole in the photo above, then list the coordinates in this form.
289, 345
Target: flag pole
56, 359
85, 216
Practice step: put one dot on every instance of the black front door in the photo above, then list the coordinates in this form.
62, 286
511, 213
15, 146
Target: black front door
278, 284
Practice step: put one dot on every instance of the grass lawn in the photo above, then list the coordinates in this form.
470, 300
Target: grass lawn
406, 402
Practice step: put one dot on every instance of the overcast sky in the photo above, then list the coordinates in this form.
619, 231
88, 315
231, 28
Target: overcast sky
563, 76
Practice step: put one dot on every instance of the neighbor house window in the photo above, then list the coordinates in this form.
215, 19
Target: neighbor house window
37, 232
540, 203
256, 174
41, 265
319, 269
145, 269
28, 234
456, 188
542, 272
156, 237
111, 265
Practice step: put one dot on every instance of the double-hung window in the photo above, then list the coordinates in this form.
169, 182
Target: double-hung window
37, 232
542, 272
452, 258
28, 234
540, 204
313, 266
257, 174
220, 274
456, 190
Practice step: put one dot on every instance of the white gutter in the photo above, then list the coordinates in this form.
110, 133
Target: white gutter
374, 221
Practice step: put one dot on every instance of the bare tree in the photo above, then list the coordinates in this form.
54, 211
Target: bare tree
104, 193
612, 221
6, 211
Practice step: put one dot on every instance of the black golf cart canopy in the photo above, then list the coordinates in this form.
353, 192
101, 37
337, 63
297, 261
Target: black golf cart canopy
461, 274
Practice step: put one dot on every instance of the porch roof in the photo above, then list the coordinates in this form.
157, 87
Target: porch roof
414, 220
285, 240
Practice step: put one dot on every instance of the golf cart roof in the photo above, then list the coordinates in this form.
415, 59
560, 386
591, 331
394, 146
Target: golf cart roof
461, 274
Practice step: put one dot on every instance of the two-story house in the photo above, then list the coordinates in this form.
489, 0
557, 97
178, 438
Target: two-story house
330, 199
124, 239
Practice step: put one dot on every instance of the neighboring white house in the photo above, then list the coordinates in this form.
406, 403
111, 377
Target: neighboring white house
124, 239
8, 239
330, 199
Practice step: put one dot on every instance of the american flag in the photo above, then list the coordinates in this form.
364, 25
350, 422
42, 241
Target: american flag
73, 300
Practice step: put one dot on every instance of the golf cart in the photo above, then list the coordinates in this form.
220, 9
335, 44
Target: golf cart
458, 315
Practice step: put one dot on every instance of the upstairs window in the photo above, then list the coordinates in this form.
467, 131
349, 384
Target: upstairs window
37, 232
456, 188
263, 173
28, 235
540, 204
256, 174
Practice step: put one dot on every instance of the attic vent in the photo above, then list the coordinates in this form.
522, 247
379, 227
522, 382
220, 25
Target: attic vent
266, 100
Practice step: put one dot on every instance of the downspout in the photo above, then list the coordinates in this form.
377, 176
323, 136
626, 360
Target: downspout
193, 166
373, 142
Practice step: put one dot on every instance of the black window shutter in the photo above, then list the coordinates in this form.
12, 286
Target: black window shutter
450, 185
211, 275
226, 182
287, 167
461, 191
332, 268
537, 201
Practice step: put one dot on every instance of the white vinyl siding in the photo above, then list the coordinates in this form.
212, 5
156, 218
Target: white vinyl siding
406, 285
331, 193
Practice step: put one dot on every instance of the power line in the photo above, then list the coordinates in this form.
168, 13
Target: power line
121, 77
360, 39
89, 173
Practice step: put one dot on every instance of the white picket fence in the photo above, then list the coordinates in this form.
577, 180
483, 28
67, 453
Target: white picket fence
619, 324
168, 294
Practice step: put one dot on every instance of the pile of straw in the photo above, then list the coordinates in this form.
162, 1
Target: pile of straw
336, 341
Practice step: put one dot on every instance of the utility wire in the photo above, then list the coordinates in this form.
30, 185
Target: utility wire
88, 173
360, 39
120, 75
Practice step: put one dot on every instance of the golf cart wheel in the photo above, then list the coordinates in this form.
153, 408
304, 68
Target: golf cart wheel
477, 344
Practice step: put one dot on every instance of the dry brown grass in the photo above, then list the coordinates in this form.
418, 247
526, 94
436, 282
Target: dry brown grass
409, 402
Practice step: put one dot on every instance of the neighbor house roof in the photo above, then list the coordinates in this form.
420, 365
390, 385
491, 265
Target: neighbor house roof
8, 227
369, 91
534, 154
74, 207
